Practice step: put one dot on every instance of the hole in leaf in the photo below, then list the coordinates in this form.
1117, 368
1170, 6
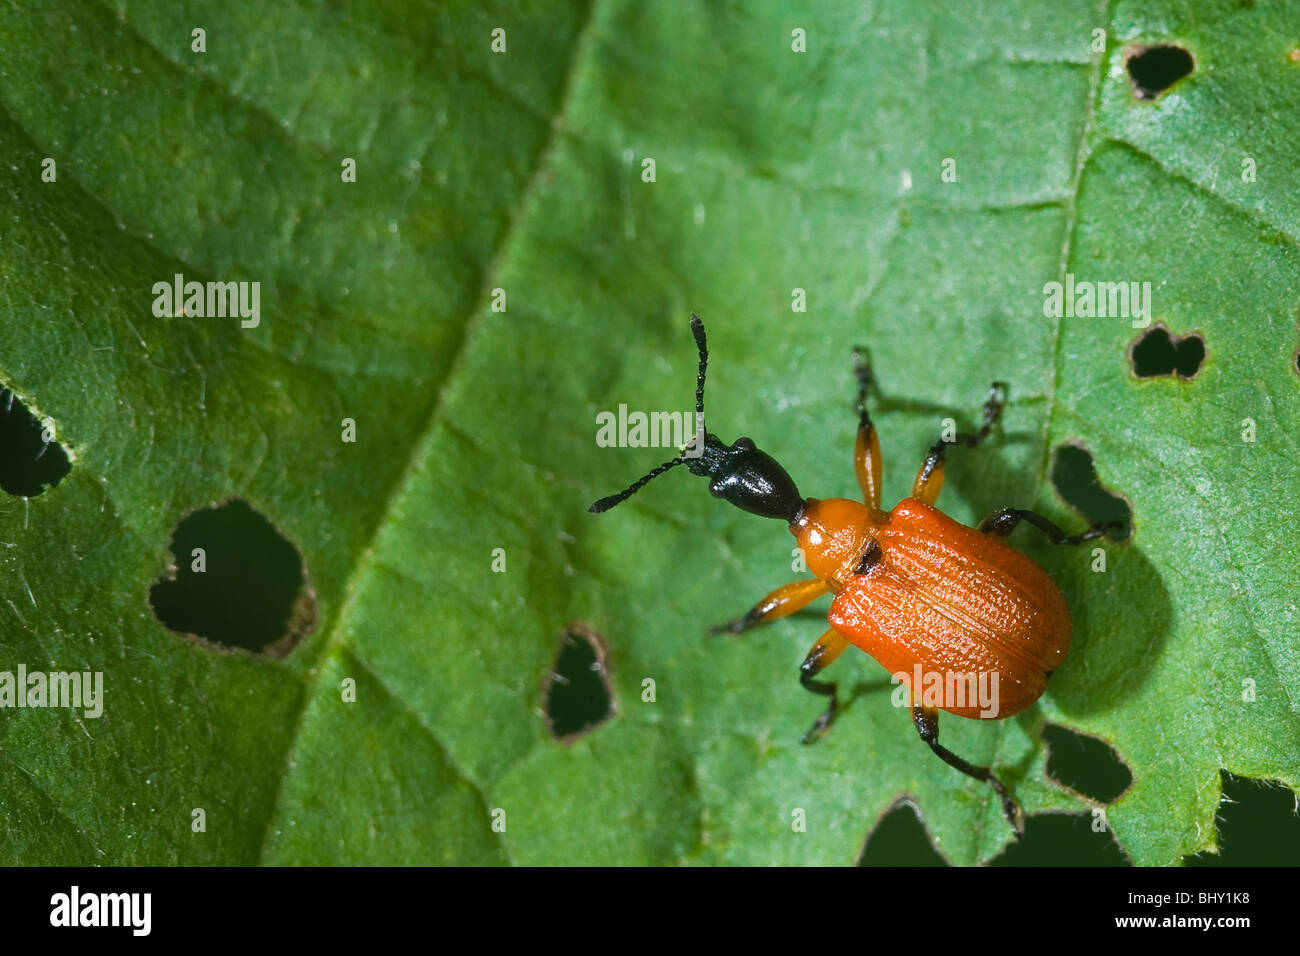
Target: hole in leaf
577, 692
1153, 69
31, 459
1051, 839
1074, 475
1085, 764
899, 839
1062, 839
1258, 825
1156, 352
236, 583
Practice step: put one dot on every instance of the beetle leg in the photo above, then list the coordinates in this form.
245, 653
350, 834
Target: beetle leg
783, 601
926, 720
929, 480
866, 453
828, 647
1002, 523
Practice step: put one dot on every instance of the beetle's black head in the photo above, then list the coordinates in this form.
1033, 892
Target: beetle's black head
749, 478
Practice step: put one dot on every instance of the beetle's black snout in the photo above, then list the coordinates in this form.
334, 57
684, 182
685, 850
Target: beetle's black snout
749, 478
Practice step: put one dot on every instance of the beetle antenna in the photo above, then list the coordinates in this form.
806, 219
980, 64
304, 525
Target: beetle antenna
604, 504
697, 329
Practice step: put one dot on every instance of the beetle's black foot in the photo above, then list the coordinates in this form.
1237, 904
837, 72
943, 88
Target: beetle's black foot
1003, 522
1010, 809
818, 730
1015, 816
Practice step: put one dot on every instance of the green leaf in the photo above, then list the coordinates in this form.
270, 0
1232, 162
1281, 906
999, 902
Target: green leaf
522, 171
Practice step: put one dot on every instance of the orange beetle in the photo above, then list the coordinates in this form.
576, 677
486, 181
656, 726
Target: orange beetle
969, 625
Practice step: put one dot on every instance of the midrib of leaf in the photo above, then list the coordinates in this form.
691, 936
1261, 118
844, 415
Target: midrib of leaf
1089, 138
422, 445
1081, 157
1070, 204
